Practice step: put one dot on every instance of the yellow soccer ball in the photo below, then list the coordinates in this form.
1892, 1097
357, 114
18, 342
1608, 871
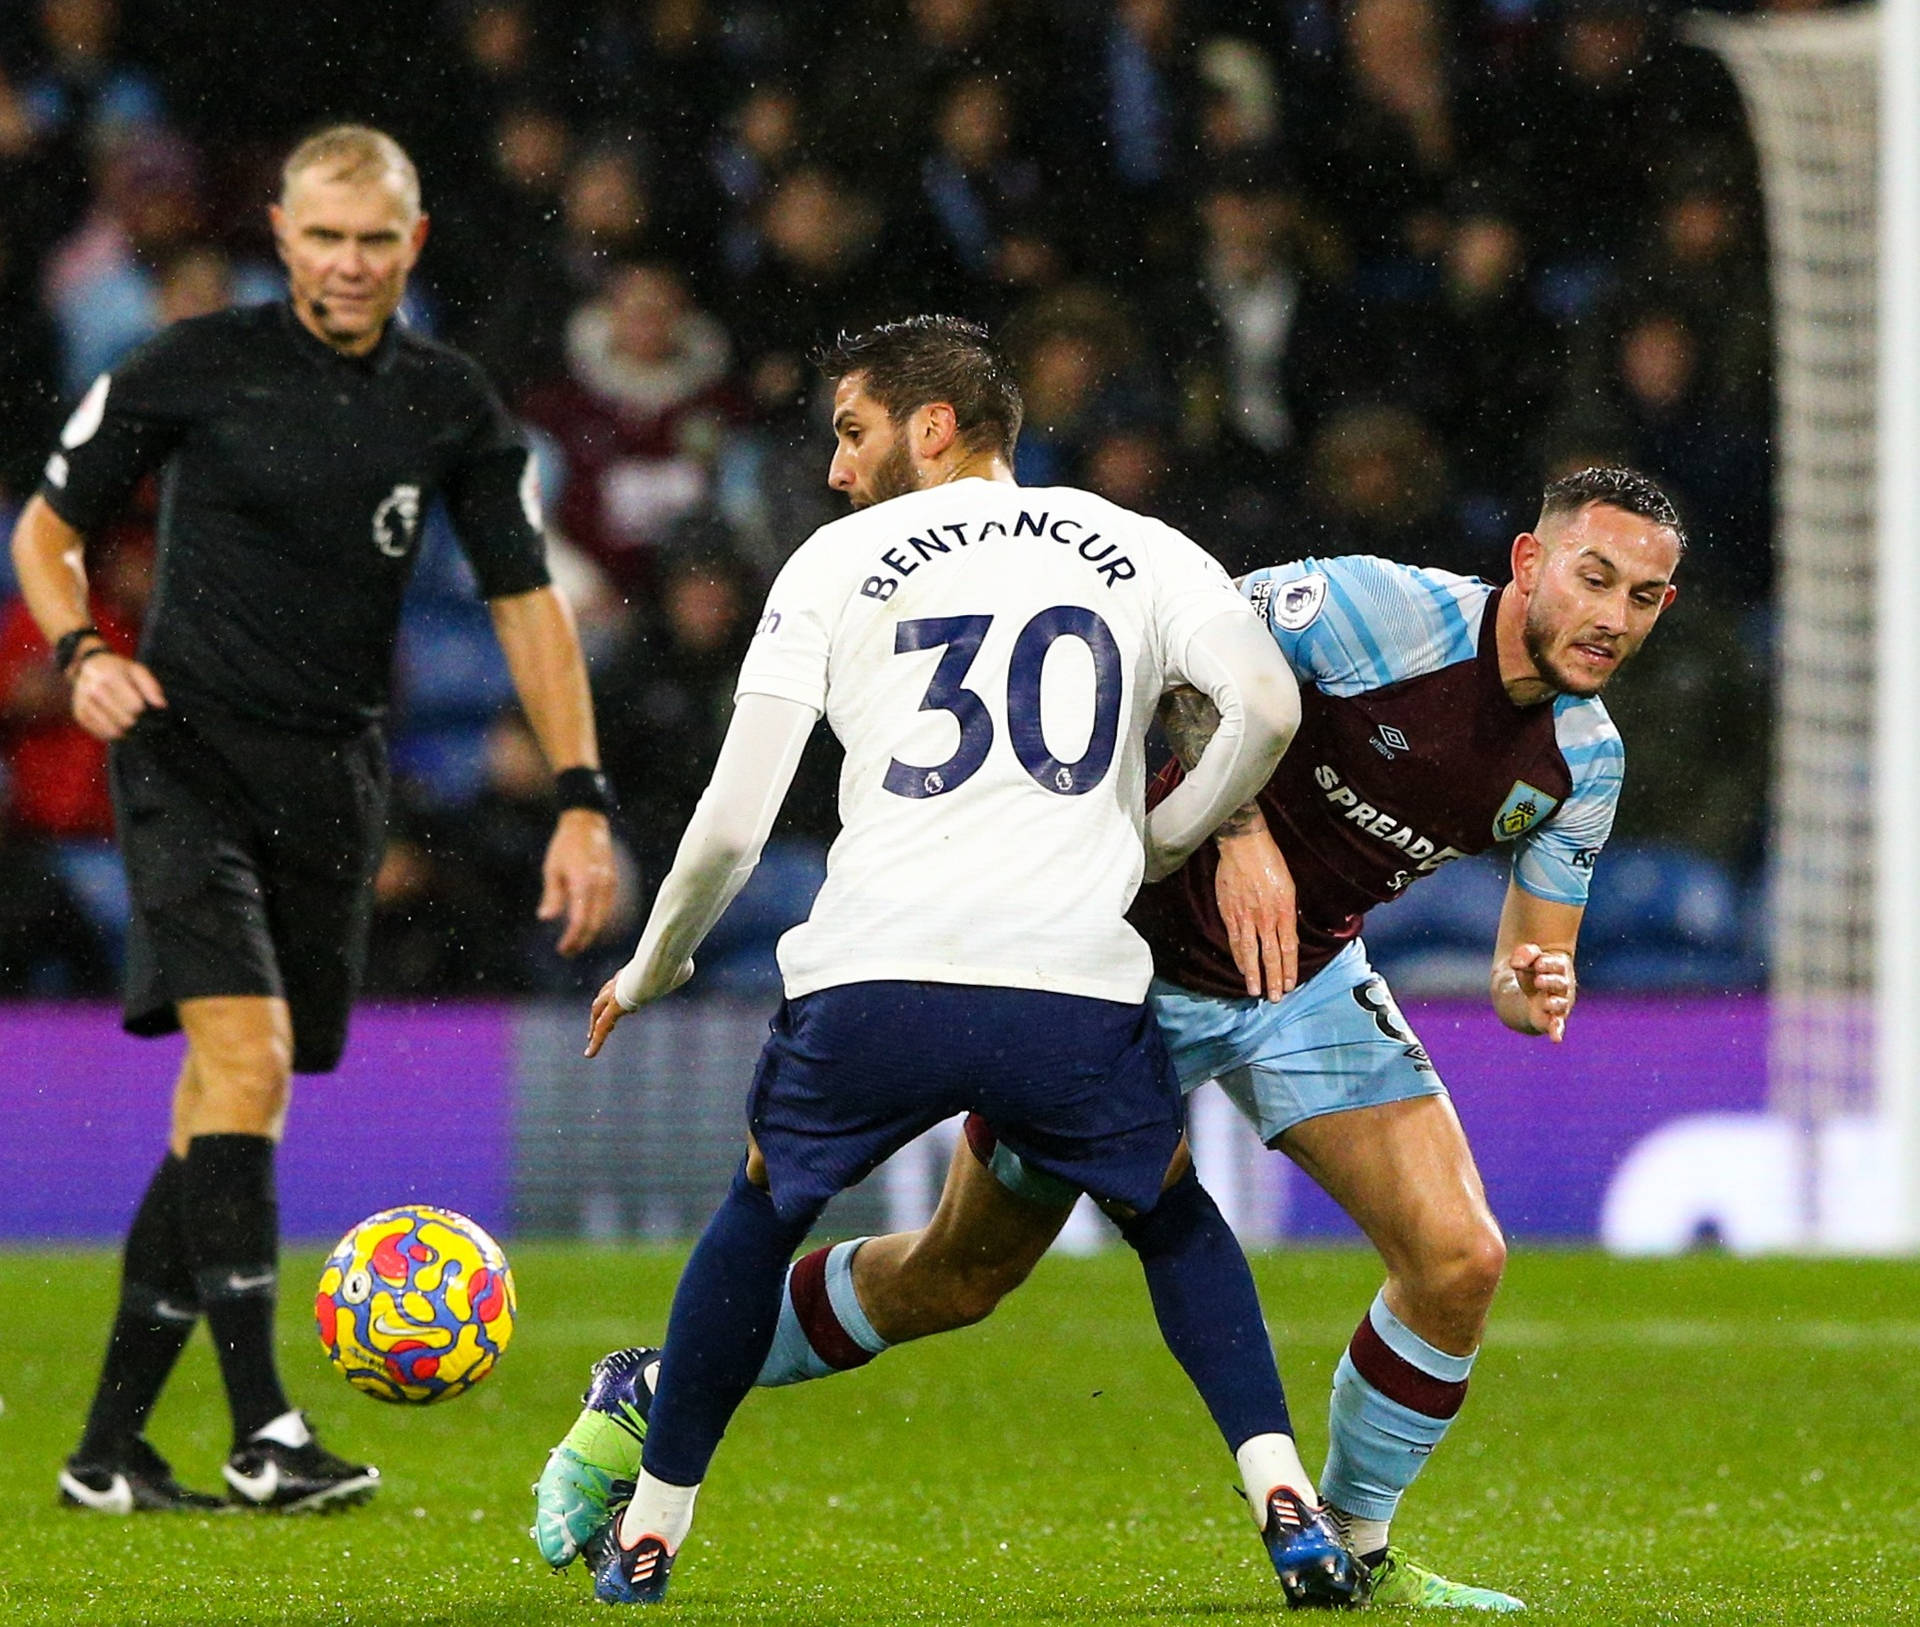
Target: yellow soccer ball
415, 1304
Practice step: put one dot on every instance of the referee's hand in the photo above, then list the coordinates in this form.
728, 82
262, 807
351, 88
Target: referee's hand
577, 880
110, 692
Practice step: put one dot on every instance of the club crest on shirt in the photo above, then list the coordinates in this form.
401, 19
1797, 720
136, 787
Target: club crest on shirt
1525, 807
396, 522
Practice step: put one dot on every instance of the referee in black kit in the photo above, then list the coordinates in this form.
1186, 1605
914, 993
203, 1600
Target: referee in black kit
300, 445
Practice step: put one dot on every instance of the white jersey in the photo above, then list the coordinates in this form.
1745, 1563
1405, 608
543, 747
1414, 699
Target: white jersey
990, 656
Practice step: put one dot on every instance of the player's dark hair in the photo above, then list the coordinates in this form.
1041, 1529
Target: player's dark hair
1616, 487
926, 359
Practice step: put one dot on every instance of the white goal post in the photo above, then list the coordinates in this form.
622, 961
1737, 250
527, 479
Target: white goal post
1897, 938
1834, 102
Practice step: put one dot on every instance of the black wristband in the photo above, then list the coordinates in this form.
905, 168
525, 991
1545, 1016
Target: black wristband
584, 788
80, 660
68, 644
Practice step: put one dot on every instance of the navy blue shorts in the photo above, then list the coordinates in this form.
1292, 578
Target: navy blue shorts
1081, 1089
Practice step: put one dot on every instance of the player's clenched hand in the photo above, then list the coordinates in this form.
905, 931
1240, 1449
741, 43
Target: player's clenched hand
1254, 889
577, 879
110, 692
1545, 977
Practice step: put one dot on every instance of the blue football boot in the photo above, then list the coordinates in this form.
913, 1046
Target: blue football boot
1316, 1568
589, 1476
636, 1575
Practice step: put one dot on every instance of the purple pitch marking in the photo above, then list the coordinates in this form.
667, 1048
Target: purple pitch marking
420, 1111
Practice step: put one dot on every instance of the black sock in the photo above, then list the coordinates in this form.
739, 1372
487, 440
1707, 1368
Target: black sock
157, 1311
232, 1222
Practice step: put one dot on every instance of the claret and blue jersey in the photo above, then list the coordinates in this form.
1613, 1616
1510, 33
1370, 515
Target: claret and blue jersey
1409, 755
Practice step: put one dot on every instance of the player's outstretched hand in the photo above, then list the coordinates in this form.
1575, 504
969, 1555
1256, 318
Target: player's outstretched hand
1254, 889
577, 879
1546, 980
607, 1012
110, 692
608, 1009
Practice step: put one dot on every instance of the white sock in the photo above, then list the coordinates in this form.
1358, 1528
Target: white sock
1268, 1462
1363, 1536
658, 1510
289, 1429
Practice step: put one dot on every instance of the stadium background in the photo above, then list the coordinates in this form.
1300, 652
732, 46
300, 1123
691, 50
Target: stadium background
1301, 279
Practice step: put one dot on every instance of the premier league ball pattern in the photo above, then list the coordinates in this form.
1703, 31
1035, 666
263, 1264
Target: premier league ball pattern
415, 1304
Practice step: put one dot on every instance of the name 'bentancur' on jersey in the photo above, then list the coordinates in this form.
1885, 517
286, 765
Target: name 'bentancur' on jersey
905, 556
991, 656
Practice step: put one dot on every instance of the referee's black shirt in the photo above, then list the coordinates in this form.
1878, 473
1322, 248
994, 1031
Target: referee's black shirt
296, 483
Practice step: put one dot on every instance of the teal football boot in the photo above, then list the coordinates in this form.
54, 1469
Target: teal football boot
589, 1476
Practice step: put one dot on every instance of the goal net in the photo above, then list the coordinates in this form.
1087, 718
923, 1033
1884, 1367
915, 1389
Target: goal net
1843, 816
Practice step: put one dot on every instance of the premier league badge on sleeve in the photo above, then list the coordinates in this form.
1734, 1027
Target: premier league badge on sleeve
1295, 604
1525, 807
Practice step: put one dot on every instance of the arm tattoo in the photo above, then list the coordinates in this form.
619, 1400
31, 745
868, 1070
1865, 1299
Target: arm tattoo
1189, 719
1245, 818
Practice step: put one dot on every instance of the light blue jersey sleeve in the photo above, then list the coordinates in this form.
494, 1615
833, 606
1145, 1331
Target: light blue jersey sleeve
1555, 860
1355, 623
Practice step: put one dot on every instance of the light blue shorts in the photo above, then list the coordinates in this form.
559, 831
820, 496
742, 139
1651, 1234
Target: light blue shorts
1336, 1042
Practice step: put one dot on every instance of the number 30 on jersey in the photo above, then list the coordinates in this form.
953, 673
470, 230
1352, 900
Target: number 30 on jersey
959, 639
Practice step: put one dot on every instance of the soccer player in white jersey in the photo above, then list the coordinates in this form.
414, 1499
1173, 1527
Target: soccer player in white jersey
991, 658
1442, 716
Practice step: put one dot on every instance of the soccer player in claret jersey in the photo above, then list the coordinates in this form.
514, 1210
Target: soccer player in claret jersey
969, 949
1441, 717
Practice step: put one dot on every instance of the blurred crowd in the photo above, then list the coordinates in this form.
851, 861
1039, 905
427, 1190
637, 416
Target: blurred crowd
1300, 276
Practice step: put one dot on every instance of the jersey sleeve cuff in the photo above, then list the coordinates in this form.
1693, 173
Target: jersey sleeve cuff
1549, 894
510, 585
61, 501
800, 691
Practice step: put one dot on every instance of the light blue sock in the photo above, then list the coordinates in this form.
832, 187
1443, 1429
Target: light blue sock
1394, 1398
791, 1360
828, 1306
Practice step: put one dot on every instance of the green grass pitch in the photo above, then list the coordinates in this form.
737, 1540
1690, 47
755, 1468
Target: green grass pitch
1693, 1441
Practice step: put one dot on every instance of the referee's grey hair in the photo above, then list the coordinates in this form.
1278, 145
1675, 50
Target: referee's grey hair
353, 152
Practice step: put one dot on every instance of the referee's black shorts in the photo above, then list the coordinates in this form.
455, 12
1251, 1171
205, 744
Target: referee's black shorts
250, 857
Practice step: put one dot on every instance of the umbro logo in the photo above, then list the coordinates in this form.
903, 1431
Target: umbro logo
1388, 741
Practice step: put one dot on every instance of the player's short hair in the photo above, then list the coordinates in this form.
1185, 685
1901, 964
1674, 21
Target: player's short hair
353, 152
926, 359
1617, 487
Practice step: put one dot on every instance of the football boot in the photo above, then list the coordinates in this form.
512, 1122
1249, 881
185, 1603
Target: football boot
130, 1478
1396, 1580
636, 1575
589, 1476
1315, 1566
284, 1470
